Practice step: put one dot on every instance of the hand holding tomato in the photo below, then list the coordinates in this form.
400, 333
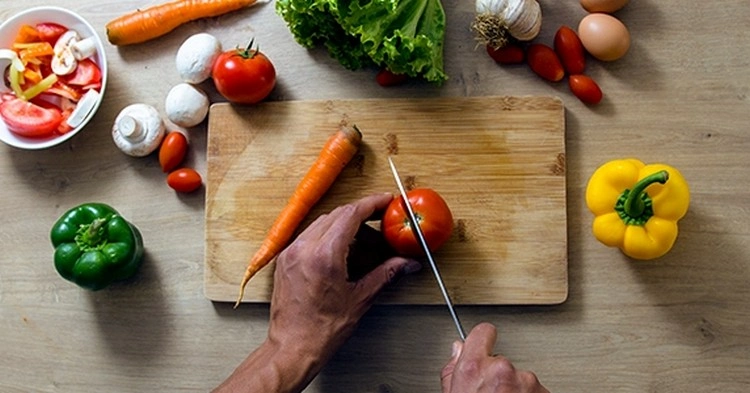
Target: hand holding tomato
244, 76
434, 217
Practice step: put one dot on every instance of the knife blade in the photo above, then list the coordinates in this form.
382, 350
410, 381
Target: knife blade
420, 237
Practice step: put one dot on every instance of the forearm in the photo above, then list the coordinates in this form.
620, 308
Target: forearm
274, 368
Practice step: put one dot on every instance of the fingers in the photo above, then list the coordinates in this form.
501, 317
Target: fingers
347, 218
481, 340
446, 375
389, 271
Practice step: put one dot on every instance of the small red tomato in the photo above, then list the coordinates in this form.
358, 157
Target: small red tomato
585, 89
508, 54
387, 78
570, 49
172, 151
434, 216
244, 76
544, 62
184, 180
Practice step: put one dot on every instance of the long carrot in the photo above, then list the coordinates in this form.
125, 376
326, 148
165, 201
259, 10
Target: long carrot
335, 155
155, 21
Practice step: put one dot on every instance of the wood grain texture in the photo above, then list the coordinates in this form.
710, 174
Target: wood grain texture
498, 161
674, 325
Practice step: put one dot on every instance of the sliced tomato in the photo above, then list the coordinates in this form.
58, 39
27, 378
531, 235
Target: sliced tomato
86, 73
50, 32
64, 127
28, 119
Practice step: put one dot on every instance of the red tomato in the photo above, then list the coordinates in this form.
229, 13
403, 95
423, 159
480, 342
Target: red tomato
172, 150
434, 216
570, 49
509, 54
244, 76
184, 180
28, 119
86, 73
585, 89
387, 78
544, 62
50, 32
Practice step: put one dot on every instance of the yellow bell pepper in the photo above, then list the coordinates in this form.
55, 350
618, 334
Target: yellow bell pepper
637, 206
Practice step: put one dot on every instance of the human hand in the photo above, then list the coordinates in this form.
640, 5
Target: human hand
474, 369
315, 303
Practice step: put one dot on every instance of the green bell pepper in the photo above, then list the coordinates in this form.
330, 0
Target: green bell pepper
95, 246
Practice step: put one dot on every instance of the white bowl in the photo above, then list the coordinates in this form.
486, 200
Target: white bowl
71, 20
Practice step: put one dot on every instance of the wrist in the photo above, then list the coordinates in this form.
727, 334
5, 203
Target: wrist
278, 367
295, 362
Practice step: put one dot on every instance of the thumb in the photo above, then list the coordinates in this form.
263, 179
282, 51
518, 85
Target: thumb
446, 375
386, 273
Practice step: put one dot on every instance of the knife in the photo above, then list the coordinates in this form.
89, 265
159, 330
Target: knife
420, 237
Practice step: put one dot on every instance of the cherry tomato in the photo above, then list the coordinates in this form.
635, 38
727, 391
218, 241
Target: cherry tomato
387, 78
434, 216
585, 89
509, 54
244, 76
570, 49
184, 180
50, 32
544, 62
172, 150
28, 119
86, 73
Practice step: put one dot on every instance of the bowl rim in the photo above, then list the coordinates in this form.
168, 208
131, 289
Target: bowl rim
101, 59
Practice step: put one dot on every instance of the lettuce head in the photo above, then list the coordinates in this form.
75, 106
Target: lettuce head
403, 36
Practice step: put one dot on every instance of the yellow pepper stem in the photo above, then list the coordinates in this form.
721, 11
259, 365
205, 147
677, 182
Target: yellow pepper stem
635, 206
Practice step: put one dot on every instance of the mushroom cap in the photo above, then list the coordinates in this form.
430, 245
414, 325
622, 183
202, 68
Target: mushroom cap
196, 57
186, 105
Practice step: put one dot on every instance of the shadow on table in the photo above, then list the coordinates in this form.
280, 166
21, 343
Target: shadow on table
133, 316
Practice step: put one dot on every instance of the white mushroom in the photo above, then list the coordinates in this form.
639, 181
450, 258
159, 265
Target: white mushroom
196, 57
186, 105
63, 60
83, 49
138, 130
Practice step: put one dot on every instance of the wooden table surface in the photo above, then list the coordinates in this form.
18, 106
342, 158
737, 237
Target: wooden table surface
677, 324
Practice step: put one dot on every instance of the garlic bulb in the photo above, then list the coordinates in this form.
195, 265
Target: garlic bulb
499, 21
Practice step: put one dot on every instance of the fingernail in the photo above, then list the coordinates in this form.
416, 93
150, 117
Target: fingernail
455, 349
412, 266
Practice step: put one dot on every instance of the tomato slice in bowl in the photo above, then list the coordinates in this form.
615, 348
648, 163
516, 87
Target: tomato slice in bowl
50, 32
86, 73
29, 120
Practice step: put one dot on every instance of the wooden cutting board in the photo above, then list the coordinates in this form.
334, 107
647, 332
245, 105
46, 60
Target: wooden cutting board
498, 161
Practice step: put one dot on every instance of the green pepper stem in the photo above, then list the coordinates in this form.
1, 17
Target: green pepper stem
634, 204
91, 236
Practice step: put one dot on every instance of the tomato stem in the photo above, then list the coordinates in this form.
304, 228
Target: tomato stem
248, 52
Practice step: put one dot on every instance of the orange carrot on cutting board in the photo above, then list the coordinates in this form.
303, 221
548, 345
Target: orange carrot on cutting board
155, 21
335, 155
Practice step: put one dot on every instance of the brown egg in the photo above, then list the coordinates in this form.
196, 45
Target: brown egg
608, 6
604, 36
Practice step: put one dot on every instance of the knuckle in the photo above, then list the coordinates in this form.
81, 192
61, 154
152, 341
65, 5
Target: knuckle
469, 368
528, 378
503, 368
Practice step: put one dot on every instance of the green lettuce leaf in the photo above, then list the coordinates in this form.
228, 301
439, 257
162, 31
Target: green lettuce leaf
403, 36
